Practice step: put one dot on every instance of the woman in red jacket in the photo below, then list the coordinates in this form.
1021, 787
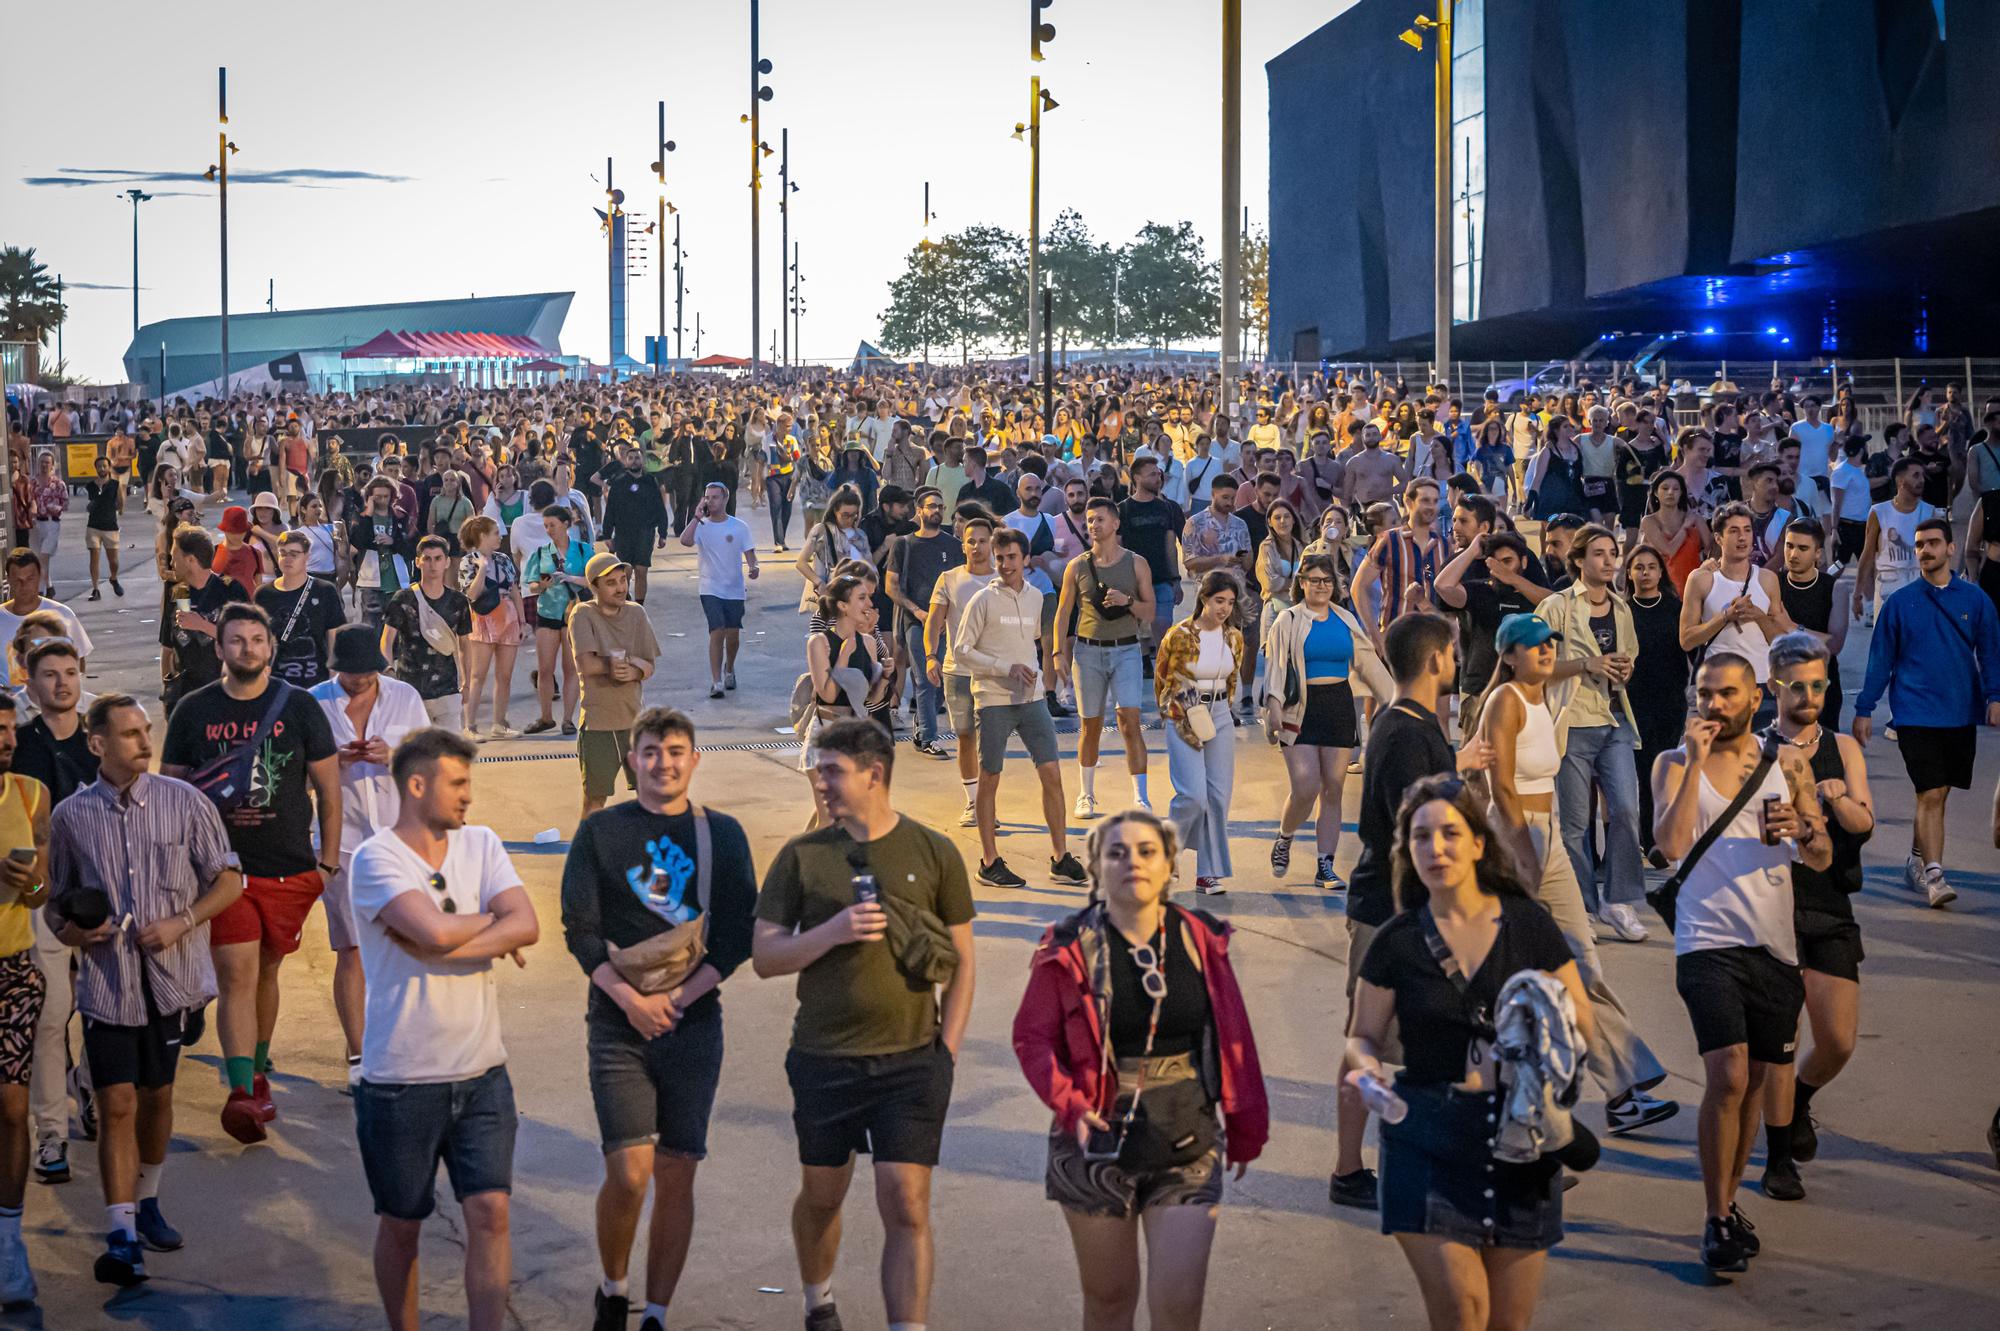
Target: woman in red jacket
1145, 1121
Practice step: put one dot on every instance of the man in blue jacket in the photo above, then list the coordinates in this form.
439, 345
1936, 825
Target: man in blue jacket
1937, 651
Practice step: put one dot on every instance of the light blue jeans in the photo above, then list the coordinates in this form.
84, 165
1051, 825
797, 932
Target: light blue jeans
1603, 753
1203, 780
927, 694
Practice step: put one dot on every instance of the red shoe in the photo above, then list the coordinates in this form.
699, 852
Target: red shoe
242, 1119
260, 1092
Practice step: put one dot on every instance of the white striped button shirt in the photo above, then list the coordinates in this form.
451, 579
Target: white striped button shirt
152, 851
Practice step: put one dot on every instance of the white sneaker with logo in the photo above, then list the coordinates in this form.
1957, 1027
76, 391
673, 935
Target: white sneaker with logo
1939, 892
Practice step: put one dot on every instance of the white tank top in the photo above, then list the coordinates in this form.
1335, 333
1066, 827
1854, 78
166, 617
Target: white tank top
1535, 755
1896, 550
1740, 893
1746, 640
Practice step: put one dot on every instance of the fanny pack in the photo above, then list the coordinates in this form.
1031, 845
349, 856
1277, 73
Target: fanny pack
227, 779
665, 960
436, 632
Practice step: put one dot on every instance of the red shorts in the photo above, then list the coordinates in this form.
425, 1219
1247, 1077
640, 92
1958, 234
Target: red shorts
271, 911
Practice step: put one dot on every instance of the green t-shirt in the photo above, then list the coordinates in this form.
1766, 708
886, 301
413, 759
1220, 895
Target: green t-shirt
854, 1001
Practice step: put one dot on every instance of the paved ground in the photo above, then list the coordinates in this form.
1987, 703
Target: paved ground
1902, 1227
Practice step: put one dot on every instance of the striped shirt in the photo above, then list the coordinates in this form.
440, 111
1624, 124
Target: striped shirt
152, 852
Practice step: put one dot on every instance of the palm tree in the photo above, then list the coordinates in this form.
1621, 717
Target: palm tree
30, 307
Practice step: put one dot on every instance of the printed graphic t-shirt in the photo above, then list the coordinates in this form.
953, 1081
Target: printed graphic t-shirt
271, 831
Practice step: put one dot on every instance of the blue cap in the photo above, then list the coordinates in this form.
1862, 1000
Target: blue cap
1522, 631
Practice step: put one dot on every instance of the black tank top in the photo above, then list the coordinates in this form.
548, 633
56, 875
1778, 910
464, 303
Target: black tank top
857, 659
1827, 893
1812, 608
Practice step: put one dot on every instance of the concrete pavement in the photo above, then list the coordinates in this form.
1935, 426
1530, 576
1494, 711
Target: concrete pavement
1901, 1227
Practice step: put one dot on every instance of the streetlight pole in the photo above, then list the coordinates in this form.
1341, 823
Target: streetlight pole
222, 150
680, 291
798, 307
759, 94
659, 241
1034, 208
1232, 195
785, 238
137, 196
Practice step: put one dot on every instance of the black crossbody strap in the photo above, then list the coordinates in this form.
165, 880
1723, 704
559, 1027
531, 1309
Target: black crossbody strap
1751, 784
1441, 952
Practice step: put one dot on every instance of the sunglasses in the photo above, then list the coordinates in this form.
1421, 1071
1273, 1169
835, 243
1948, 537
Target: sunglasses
443, 889
1152, 978
1803, 687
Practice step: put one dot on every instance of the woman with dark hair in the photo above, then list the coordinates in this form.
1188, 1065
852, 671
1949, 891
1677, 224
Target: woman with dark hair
833, 541
1194, 677
1475, 1229
1672, 528
846, 642
1658, 686
554, 575
1313, 650
1132, 1006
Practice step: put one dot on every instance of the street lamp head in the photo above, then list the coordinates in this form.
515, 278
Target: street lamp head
1019, 130
1049, 103
1412, 39
764, 65
208, 175
743, 119
764, 94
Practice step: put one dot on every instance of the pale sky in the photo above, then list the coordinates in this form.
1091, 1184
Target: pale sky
495, 116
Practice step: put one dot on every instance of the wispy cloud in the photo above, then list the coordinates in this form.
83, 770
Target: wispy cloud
99, 286
310, 177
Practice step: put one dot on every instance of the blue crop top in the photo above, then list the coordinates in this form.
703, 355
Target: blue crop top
1329, 649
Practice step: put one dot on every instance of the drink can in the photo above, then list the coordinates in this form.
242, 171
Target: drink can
1764, 831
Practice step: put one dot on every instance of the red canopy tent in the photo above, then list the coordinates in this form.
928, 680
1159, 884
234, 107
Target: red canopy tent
392, 345
721, 362
542, 365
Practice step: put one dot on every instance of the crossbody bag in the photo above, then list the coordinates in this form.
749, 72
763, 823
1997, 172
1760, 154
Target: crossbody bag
227, 778
1663, 898
666, 960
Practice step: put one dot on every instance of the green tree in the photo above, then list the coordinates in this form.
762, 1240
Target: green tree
30, 307
926, 301
1078, 271
965, 289
997, 272
1257, 287
1169, 290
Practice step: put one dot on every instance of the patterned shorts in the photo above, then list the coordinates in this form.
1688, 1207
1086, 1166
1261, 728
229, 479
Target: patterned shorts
1101, 1188
22, 989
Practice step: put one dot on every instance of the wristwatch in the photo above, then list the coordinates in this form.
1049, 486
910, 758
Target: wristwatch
328, 869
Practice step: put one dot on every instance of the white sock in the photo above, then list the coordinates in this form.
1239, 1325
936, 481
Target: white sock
908, 1326
1933, 864
819, 1295
971, 791
658, 1310
124, 1219
149, 1180
613, 1289
1139, 788
1088, 775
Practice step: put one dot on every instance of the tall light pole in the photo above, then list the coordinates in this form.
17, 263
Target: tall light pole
1441, 309
759, 94
1039, 33
798, 307
1232, 194
680, 289
219, 173
666, 146
785, 188
924, 247
137, 196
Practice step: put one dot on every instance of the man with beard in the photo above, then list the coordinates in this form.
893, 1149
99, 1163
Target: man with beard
1823, 917
1735, 941
1936, 653
256, 745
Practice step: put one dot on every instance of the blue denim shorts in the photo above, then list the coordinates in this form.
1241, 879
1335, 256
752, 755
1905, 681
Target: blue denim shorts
406, 1128
1116, 673
721, 613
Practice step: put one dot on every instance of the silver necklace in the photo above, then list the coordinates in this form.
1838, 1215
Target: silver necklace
1801, 586
1644, 604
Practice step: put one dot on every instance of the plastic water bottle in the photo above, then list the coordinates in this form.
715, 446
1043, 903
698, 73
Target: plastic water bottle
1381, 1098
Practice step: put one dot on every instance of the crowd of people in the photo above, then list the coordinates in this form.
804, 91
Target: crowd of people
1558, 641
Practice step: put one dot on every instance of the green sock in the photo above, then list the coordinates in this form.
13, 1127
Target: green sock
239, 1073
263, 1057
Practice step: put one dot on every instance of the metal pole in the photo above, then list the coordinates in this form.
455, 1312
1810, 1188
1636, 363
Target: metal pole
612, 260
680, 292
135, 196
1441, 191
163, 377
62, 317
925, 246
756, 200
1034, 203
1232, 195
659, 243
785, 240
1048, 360
222, 197
7, 461
798, 308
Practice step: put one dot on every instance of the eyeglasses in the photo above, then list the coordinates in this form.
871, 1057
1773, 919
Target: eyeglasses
1151, 977
1804, 687
443, 889
1319, 580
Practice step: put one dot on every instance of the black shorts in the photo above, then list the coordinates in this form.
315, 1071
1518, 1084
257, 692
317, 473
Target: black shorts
1938, 757
542, 621
1329, 718
143, 1056
660, 1090
1741, 995
890, 1105
1829, 944
1851, 538
638, 553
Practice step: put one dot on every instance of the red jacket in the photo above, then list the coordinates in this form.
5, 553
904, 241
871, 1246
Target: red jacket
1058, 1034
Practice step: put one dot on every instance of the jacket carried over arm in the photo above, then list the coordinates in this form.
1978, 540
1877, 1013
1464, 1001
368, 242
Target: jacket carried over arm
1285, 665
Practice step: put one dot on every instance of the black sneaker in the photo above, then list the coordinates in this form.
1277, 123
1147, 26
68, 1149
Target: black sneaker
930, 748
123, 1262
1356, 1190
116, 590
1781, 1182
1805, 1139
95, 595
1992, 1138
1068, 871
1722, 1247
612, 1310
652, 1324
1056, 709
997, 874
826, 1317
1746, 1233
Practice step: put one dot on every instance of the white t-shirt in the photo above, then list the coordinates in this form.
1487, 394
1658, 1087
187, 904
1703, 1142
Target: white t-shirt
368, 795
428, 1021
1028, 524
1850, 489
527, 535
955, 587
719, 548
1813, 443
10, 624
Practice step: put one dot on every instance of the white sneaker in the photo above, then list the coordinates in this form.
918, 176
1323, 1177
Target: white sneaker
17, 1281
1913, 874
1940, 892
968, 816
1086, 805
1138, 803
1623, 921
